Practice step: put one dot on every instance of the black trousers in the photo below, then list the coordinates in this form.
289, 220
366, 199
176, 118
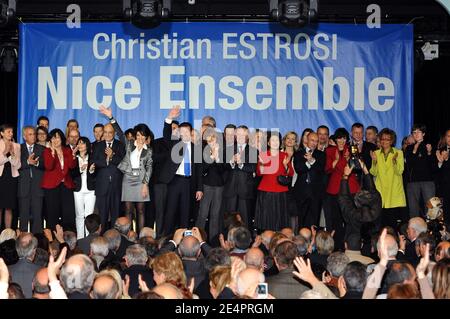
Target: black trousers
30, 210
109, 206
308, 208
60, 207
178, 204
334, 220
160, 201
210, 208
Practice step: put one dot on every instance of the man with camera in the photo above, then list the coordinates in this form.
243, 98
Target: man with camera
360, 148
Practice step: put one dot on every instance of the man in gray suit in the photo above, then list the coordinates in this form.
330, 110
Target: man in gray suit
30, 193
24, 270
283, 285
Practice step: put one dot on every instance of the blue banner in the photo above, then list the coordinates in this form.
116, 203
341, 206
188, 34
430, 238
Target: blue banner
262, 75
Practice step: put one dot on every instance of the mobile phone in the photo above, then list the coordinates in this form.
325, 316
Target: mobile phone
262, 290
187, 233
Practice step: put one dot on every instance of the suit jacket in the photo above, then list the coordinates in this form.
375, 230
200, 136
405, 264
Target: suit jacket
84, 244
213, 172
365, 153
241, 180
54, 175
15, 161
107, 172
169, 167
28, 185
161, 152
76, 176
285, 286
133, 272
22, 273
194, 269
124, 244
314, 173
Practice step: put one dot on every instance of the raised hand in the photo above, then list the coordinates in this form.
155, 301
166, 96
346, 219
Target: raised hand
257, 242
92, 168
106, 111
59, 233
373, 156
224, 243
423, 264
31, 160
74, 151
445, 155
384, 255
144, 191
286, 161
348, 170
4, 273
439, 156
174, 112
142, 284
54, 267
198, 196
108, 152
178, 236
196, 233
304, 271
126, 286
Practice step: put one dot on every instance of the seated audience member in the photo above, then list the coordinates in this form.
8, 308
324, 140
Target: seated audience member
219, 280
40, 286
23, 271
189, 251
136, 263
99, 251
324, 247
354, 280
336, 264
105, 287
77, 276
403, 291
254, 258
283, 285
353, 250
93, 226
247, 283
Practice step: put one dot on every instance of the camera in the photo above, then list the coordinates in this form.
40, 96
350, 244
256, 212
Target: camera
353, 161
187, 233
262, 290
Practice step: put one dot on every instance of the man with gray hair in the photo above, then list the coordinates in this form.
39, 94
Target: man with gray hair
247, 282
99, 250
23, 271
123, 226
40, 286
189, 251
105, 287
136, 262
254, 258
77, 276
70, 238
336, 263
416, 226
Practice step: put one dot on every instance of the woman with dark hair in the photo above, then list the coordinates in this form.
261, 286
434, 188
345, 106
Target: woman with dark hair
272, 202
304, 138
42, 134
9, 173
84, 180
336, 159
387, 168
57, 182
136, 167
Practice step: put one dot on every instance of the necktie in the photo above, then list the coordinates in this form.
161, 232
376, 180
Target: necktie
30, 151
187, 160
109, 144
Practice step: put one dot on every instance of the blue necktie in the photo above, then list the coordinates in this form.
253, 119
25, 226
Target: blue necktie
187, 160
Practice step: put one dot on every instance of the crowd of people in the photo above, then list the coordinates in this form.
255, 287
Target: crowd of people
209, 214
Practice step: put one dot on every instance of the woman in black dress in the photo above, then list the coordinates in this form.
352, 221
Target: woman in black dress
9, 173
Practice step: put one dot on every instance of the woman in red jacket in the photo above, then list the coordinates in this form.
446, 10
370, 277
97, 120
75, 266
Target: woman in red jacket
337, 159
272, 202
57, 182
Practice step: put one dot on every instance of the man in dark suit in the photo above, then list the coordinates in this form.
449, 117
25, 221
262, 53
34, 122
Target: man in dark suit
30, 193
136, 260
364, 148
189, 251
309, 163
23, 271
123, 226
98, 135
182, 172
107, 155
93, 226
239, 189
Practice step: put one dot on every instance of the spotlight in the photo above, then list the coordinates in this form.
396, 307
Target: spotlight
7, 11
8, 57
294, 13
147, 13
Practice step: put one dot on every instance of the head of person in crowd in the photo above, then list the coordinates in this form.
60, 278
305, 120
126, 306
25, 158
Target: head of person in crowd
7, 234
15, 291
219, 278
185, 132
70, 238
41, 257
98, 132
84, 146
175, 128
400, 272
274, 141
388, 138
41, 135
77, 275
56, 138
353, 242
247, 282
304, 138
324, 243
441, 279
444, 142
277, 238
421, 243
209, 120
284, 255
108, 132
336, 263
242, 238
7, 132
148, 295
147, 232
323, 132
43, 121
254, 258
403, 291
189, 248
204, 128
392, 247
230, 134
371, 134
312, 141
72, 124
39, 285
129, 136
54, 248
357, 132
113, 237
123, 225
99, 249
418, 132
266, 238
143, 135
132, 236
151, 247
302, 245
233, 220
416, 226
105, 287
29, 134
136, 255
26, 245
168, 291
73, 137
354, 278
242, 135
288, 232
217, 257
168, 267
258, 139
341, 137
290, 141
306, 233
442, 251
93, 224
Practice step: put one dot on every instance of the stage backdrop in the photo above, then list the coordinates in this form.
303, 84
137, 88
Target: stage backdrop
259, 74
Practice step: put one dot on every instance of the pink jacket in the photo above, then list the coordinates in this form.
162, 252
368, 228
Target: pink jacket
15, 160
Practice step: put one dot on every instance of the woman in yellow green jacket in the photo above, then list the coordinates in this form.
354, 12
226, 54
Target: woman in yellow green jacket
387, 168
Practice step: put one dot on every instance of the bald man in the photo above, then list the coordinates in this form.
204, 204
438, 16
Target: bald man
254, 258
107, 156
40, 286
247, 282
309, 163
168, 291
288, 232
105, 287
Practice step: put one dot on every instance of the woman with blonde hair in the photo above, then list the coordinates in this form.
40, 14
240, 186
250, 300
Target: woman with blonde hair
219, 281
441, 279
7, 234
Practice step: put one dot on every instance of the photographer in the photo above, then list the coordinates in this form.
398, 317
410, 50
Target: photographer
387, 168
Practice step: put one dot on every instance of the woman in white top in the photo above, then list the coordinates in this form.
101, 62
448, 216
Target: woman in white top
84, 178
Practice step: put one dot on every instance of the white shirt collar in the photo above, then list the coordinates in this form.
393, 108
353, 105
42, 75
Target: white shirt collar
144, 147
